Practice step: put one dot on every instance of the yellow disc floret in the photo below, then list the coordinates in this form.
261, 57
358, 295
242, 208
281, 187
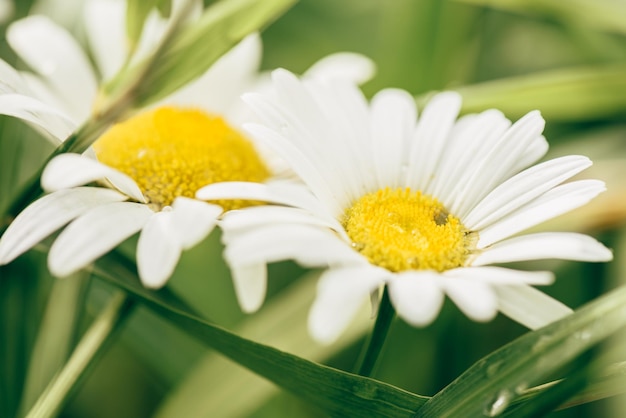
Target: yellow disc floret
173, 152
404, 230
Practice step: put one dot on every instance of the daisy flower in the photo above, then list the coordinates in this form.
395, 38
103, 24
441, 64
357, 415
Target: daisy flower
423, 206
148, 167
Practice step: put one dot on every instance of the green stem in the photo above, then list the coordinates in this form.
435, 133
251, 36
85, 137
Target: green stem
55, 337
88, 350
373, 348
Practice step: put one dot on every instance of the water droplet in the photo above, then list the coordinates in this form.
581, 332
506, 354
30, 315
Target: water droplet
493, 368
542, 343
498, 404
583, 335
521, 388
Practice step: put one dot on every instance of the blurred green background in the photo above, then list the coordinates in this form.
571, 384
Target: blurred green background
567, 59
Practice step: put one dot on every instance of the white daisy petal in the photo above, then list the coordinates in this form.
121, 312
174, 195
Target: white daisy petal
289, 242
282, 194
256, 216
500, 275
416, 296
475, 299
250, 281
523, 188
343, 65
555, 202
559, 245
340, 293
40, 115
158, 250
193, 220
430, 138
529, 306
10, 80
95, 233
52, 52
69, 170
393, 114
473, 136
106, 34
493, 167
49, 213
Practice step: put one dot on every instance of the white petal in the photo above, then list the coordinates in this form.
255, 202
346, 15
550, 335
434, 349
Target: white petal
495, 165
250, 281
106, 33
555, 202
393, 119
476, 299
430, 138
559, 245
308, 245
10, 80
522, 188
349, 66
70, 170
193, 220
94, 234
53, 53
294, 195
500, 275
256, 216
49, 213
39, 114
340, 293
158, 250
529, 306
417, 297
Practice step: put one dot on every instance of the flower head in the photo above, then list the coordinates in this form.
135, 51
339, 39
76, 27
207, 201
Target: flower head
421, 205
147, 168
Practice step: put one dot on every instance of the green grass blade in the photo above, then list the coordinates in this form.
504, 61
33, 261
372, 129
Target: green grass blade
573, 94
336, 392
490, 385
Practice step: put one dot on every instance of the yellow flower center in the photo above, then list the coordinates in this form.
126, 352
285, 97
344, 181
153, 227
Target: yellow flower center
173, 152
404, 230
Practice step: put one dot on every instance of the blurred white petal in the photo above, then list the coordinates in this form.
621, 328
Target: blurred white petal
348, 66
529, 306
69, 170
416, 296
193, 220
49, 213
53, 53
539, 246
95, 233
158, 250
340, 293
250, 281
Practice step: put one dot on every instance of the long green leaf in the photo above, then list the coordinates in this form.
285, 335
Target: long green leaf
573, 94
55, 336
599, 14
490, 385
279, 322
336, 392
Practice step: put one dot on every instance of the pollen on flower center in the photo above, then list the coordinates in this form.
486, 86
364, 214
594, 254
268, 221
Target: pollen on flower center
173, 152
404, 230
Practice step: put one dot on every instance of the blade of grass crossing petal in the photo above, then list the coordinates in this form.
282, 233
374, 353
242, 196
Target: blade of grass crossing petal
281, 322
336, 392
491, 384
